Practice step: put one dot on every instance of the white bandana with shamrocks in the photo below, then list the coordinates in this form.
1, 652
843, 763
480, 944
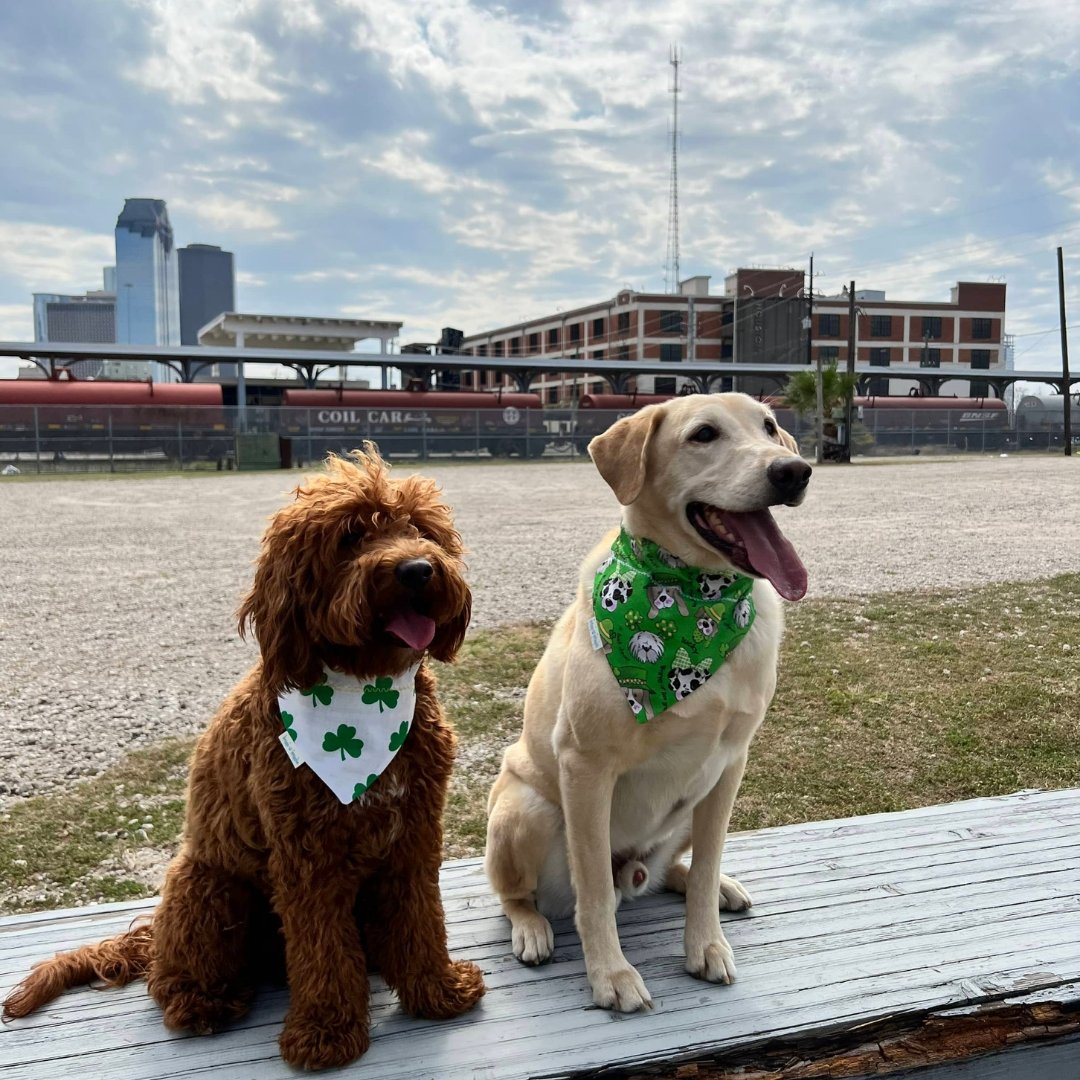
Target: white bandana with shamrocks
348, 730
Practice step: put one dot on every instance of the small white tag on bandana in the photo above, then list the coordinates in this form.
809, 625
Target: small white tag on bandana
348, 730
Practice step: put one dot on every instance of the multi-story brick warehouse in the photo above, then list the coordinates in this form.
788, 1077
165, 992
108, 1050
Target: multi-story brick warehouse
965, 335
760, 318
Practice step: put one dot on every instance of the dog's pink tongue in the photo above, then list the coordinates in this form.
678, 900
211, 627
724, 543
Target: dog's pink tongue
770, 552
414, 629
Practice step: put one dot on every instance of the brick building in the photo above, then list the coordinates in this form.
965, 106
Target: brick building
760, 319
965, 335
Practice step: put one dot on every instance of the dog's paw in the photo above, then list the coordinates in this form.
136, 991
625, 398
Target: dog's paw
444, 995
187, 1007
533, 940
712, 960
327, 1040
733, 897
621, 989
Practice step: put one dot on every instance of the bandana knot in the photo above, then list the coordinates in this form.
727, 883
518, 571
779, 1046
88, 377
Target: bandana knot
665, 627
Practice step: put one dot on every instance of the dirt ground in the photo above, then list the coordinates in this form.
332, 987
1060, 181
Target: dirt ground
117, 595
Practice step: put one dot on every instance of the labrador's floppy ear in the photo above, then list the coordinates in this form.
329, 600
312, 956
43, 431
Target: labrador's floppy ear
621, 453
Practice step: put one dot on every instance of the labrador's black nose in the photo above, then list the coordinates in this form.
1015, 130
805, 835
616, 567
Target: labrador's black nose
789, 476
414, 574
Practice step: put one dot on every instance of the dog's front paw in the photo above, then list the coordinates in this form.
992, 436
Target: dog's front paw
621, 989
185, 1006
445, 995
311, 1040
710, 959
532, 939
733, 897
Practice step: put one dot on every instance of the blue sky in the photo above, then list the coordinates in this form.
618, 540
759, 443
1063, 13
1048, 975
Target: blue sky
459, 163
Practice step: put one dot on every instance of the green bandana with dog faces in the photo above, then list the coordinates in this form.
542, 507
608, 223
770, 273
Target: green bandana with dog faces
665, 627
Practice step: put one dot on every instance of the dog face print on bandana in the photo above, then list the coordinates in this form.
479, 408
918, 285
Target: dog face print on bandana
665, 627
348, 730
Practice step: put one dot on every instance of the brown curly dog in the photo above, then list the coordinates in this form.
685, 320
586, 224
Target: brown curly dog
269, 851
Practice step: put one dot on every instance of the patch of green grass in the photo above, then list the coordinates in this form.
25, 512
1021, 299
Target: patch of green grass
883, 703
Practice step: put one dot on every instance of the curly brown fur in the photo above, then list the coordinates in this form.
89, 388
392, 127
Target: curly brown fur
340, 883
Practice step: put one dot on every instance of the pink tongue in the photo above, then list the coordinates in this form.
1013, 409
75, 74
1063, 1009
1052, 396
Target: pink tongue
769, 551
414, 629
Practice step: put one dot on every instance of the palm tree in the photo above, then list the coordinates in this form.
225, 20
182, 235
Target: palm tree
801, 394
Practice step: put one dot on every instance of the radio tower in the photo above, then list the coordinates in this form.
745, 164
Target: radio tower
671, 265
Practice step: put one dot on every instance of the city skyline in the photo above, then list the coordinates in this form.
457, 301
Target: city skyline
373, 160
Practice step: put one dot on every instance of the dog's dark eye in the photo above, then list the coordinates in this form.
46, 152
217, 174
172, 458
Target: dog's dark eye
705, 433
351, 538
770, 427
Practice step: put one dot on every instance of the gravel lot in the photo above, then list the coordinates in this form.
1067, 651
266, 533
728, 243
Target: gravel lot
117, 595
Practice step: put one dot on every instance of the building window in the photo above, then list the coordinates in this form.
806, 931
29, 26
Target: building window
725, 350
622, 353
481, 350
534, 343
930, 358
981, 329
598, 387
663, 384
880, 326
553, 336
828, 325
671, 322
830, 354
879, 357
515, 346
597, 328
552, 395
598, 354
671, 354
624, 322
575, 331
931, 327
727, 316
496, 348
980, 358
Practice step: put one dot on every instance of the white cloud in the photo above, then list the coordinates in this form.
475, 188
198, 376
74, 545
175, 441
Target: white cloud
53, 258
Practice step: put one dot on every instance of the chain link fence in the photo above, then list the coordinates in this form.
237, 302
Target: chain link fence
136, 438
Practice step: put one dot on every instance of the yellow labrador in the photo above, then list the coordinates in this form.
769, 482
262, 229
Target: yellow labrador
591, 806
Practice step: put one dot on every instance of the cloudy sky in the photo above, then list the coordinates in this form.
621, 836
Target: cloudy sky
463, 163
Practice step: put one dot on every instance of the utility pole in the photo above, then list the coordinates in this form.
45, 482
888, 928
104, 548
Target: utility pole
845, 453
1066, 381
819, 453
671, 263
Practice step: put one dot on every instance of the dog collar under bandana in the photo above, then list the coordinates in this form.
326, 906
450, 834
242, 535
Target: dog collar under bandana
348, 730
665, 627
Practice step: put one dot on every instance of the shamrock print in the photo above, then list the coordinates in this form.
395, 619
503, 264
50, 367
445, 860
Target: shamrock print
287, 720
381, 693
320, 693
362, 789
398, 737
344, 741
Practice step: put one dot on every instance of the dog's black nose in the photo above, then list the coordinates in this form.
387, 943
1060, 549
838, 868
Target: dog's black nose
414, 574
789, 476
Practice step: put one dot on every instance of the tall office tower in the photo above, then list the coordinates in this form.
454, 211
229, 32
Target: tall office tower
89, 319
147, 287
207, 289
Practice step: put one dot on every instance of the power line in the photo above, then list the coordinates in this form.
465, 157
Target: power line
671, 265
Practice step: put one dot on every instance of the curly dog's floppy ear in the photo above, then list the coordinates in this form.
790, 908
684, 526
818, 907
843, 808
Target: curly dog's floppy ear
274, 613
621, 453
451, 634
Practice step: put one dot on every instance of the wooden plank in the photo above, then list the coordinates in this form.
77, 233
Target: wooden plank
882, 920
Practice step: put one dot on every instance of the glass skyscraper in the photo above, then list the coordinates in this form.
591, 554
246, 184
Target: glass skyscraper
147, 282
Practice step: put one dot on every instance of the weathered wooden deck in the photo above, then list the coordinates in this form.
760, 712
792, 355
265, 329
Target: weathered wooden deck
876, 944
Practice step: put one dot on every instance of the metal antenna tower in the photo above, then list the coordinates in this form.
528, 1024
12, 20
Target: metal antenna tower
671, 264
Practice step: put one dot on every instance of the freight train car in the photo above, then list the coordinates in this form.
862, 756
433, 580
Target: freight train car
112, 418
416, 421
1040, 421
